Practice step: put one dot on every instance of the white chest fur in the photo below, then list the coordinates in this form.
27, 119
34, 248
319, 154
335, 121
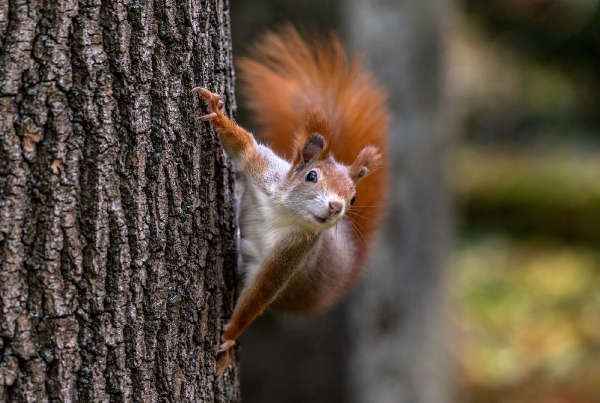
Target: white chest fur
261, 219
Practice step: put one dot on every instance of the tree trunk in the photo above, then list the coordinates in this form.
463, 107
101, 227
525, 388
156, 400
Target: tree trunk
116, 215
397, 327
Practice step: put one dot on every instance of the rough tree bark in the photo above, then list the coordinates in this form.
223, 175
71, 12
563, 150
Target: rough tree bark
116, 217
397, 320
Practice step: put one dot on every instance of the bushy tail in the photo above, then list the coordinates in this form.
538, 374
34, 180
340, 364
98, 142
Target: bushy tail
286, 76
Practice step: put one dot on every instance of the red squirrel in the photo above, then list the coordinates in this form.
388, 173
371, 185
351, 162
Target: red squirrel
306, 227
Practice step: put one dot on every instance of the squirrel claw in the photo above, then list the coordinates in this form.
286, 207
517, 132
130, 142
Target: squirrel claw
214, 104
214, 100
227, 344
204, 93
223, 361
210, 116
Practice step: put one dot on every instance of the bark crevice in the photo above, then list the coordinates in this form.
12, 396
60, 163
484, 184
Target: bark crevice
116, 214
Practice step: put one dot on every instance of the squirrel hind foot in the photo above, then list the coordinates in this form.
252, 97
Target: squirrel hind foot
225, 350
222, 363
226, 345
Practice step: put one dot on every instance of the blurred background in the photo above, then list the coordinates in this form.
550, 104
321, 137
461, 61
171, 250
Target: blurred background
486, 284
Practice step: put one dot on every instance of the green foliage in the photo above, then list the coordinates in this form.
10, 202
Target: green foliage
547, 29
524, 194
560, 39
527, 314
526, 276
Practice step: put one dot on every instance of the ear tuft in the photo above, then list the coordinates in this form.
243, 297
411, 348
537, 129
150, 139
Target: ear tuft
363, 171
313, 147
368, 160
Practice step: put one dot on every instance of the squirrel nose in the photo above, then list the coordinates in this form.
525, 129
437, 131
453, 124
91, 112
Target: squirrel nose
335, 207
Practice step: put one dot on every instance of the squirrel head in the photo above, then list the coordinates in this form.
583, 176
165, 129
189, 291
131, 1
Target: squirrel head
319, 189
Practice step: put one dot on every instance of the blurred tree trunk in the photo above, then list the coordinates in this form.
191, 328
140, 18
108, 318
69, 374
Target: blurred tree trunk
397, 319
116, 217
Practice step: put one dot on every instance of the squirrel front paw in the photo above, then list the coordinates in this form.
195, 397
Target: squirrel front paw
214, 105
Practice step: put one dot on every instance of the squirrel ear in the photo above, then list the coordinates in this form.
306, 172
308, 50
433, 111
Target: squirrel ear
313, 148
368, 160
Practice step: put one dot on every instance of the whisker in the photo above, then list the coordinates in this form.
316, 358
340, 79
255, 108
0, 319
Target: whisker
357, 223
346, 242
358, 214
367, 218
358, 208
354, 226
335, 232
366, 210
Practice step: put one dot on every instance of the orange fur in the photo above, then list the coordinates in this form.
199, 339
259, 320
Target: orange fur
235, 140
311, 86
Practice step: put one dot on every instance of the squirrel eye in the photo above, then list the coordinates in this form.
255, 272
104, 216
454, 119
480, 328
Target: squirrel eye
311, 177
352, 200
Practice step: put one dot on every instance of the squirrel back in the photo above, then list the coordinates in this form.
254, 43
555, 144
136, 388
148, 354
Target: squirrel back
302, 83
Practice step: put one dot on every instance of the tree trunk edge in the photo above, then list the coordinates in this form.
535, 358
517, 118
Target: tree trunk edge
116, 207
